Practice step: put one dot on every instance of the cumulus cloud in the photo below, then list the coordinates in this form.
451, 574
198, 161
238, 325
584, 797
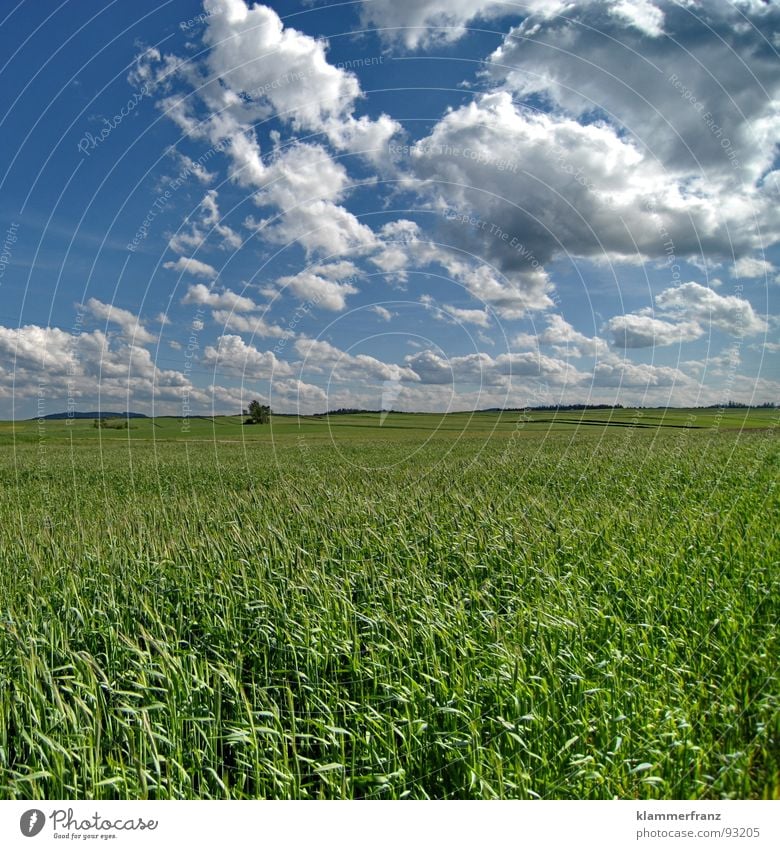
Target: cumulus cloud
565, 339
187, 265
320, 227
234, 356
422, 23
615, 372
323, 357
278, 69
447, 312
206, 222
686, 311
403, 246
699, 105
641, 14
301, 173
256, 67
521, 188
326, 285
750, 268
254, 324
636, 330
726, 312
481, 368
382, 312
83, 367
226, 299
129, 322
304, 185
299, 396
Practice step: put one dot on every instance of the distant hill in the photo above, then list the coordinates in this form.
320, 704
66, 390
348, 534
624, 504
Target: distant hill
95, 414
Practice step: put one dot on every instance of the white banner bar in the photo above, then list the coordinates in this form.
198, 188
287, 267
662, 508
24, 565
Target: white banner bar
452, 824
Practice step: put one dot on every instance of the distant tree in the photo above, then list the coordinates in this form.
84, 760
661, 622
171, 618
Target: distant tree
258, 413
113, 423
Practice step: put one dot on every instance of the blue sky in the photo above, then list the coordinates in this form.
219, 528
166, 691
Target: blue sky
428, 205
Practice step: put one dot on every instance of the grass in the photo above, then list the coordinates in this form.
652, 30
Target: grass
441, 607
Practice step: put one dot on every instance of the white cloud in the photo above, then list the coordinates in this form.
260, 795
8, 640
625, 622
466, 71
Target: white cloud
321, 356
325, 285
422, 23
186, 265
256, 325
382, 312
566, 340
644, 331
207, 221
726, 312
520, 188
750, 268
687, 310
482, 369
279, 69
190, 166
402, 246
702, 101
642, 14
443, 312
615, 372
256, 67
301, 173
130, 324
234, 356
226, 299
300, 397
320, 227
66, 367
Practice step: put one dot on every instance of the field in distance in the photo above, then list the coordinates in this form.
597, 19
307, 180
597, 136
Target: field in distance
389, 426
464, 606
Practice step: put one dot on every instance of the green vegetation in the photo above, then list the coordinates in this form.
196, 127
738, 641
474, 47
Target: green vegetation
114, 423
258, 413
468, 606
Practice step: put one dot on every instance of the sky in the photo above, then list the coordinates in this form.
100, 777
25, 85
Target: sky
387, 204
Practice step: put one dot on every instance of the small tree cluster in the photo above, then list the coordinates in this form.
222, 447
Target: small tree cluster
258, 413
111, 423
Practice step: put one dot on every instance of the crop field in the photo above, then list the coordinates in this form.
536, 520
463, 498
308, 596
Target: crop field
556, 606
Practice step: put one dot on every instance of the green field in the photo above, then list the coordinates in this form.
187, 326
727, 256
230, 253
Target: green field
571, 605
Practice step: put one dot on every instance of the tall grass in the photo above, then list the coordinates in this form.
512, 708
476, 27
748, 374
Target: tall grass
568, 617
